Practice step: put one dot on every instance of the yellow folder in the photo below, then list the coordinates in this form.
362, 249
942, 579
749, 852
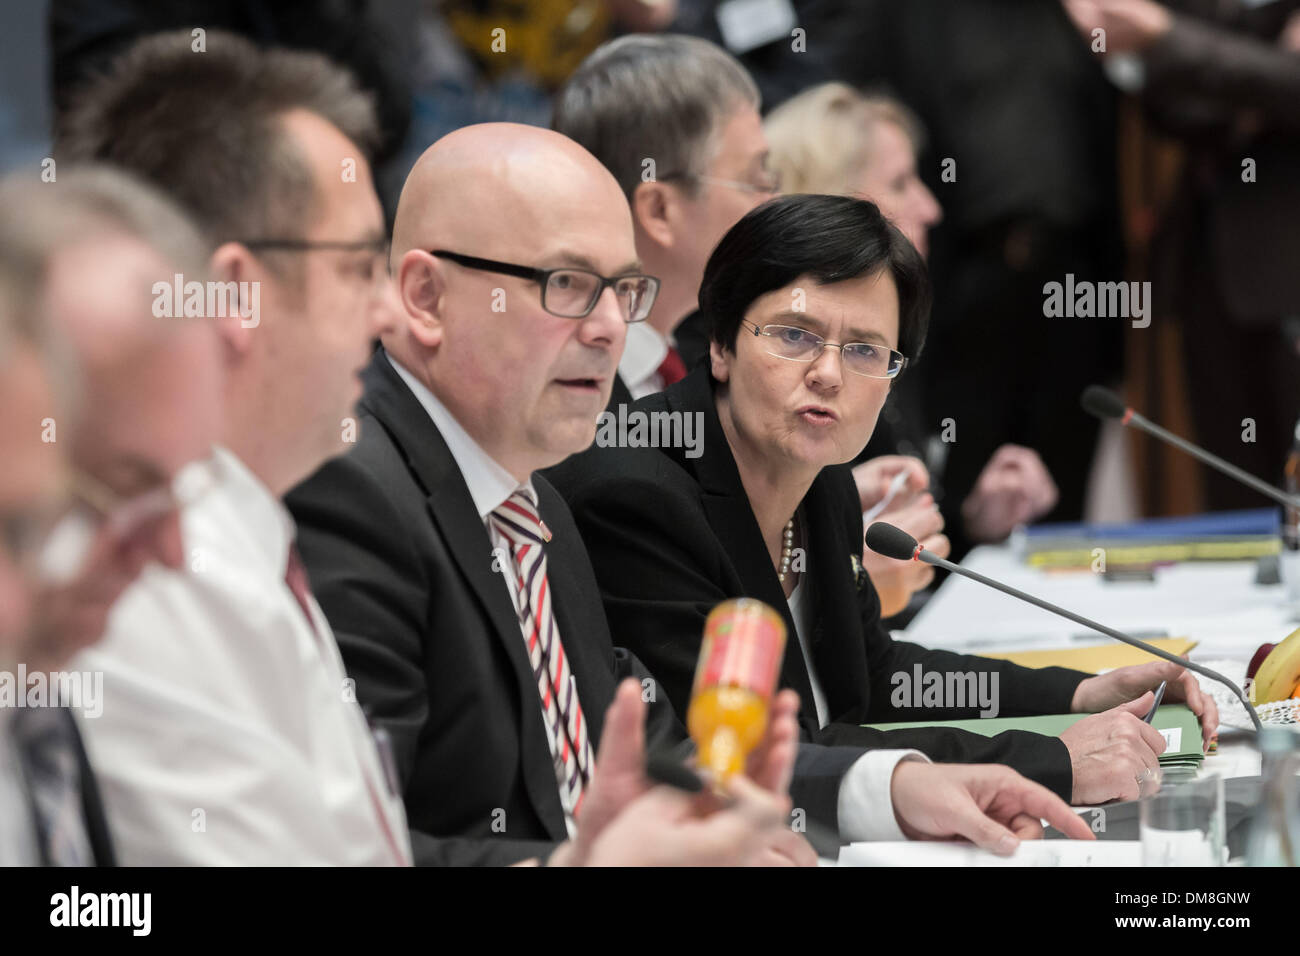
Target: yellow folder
1096, 658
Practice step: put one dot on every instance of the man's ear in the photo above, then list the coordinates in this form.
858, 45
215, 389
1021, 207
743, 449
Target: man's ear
652, 211
719, 362
422, 288
234, 263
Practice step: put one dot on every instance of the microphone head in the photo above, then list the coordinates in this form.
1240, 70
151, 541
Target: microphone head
884, 538
1102, 402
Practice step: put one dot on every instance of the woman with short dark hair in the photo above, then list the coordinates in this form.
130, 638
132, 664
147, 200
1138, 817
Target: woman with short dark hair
827, 238
816, 303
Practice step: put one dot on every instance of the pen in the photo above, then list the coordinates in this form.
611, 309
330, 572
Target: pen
895, 486
1160, 693
666, 770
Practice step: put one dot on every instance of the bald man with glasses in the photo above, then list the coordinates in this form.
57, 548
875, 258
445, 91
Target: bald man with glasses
452, 575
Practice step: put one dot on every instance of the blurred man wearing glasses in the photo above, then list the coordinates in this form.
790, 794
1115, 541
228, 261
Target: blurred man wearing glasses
230, 732
95, 439
32, 493
32, 471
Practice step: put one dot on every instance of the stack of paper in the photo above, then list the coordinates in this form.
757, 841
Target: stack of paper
1175, 722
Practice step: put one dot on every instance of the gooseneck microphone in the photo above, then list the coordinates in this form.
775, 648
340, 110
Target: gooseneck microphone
884, 538
1104, 403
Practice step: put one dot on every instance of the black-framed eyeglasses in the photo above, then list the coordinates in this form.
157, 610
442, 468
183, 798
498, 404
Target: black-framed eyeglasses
311, 245
799, 345
572, 293
378, 248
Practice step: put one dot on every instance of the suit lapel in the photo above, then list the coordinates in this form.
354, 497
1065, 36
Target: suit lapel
469, 546
732, 519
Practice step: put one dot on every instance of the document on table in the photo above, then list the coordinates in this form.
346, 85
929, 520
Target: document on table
1029, 853
1175, 722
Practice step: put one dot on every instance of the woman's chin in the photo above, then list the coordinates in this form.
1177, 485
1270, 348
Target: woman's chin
818, 452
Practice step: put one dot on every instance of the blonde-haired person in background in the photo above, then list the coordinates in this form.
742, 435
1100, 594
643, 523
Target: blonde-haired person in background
833, 139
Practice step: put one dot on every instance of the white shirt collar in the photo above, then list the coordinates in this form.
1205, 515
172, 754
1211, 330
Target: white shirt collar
643, 353
268, 520
490, 484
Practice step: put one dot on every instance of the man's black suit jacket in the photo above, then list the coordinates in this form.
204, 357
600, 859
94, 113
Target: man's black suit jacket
671, 536
403, 568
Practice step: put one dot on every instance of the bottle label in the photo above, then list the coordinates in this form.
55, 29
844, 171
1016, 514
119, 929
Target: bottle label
744, 642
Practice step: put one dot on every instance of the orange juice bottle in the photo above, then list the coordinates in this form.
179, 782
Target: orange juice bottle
740, 661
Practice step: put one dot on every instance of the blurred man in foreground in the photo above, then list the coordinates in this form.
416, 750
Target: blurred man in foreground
265, 756
134, 401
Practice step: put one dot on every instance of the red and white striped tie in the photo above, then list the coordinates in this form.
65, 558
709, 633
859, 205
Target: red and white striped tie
518, 522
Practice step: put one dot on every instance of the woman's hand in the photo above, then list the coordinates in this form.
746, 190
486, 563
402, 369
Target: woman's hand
991, 805
874, 476
1125, 684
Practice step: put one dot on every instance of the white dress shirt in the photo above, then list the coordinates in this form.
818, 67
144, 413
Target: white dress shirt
229, 733
864, 805
643, 352
490, 485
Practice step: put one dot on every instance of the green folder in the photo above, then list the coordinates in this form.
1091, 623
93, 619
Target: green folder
1179, 726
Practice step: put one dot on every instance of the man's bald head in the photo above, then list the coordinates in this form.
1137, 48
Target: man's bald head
501, 186
526, 383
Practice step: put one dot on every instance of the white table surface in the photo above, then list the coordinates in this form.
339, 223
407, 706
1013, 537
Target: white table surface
1215, 603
